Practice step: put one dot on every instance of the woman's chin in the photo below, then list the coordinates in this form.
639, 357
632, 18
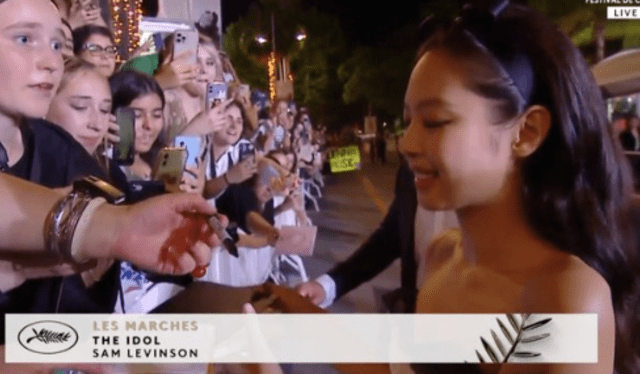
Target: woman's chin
430, 202
36, 109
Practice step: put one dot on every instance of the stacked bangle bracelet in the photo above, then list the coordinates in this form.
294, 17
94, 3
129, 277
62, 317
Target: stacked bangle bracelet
63, 221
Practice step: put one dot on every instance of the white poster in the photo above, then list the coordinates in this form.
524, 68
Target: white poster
190, 10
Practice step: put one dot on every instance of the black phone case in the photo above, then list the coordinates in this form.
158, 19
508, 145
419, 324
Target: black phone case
126, 158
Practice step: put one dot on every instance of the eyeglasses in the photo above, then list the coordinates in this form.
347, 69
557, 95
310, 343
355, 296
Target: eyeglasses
97, 50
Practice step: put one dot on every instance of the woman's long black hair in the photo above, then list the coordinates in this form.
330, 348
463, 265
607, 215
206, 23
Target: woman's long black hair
578, 187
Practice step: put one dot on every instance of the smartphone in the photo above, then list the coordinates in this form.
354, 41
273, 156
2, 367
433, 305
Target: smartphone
216, 93
192, 145
186, 40
158, 41
124, 151
245, 150
268, 173
169, 167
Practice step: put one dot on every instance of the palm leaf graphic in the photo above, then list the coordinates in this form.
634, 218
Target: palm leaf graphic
521, 329
47, 336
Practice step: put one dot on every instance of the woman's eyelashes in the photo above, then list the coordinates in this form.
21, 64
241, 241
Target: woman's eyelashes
431, 124
156, 114
79, 108
23, 39
29, 39
57, 45
105, 107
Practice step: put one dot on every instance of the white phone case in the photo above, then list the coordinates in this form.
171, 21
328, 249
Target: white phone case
184, 40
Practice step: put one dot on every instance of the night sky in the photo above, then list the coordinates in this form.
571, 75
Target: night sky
363, 22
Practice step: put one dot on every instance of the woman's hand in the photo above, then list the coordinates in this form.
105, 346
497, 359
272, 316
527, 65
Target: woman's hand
242, 171
209, 120
193, 179
142, 48
82, 13
113, 132
177, 72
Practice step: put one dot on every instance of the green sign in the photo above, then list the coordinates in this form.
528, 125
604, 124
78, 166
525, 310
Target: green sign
345, 159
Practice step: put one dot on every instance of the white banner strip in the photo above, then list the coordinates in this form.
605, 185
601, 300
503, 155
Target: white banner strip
298, 338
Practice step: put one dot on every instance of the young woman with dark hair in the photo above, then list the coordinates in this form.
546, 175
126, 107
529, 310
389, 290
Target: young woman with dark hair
225, 166
94, 44
507, 127
143, 94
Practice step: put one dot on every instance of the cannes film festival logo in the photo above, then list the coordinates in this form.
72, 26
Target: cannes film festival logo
48, 337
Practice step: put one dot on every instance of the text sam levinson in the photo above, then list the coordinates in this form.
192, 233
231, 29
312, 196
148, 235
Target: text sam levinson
139, 345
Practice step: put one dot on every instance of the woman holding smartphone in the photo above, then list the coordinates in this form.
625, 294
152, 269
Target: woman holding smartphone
144, 96
224, 161
35, 150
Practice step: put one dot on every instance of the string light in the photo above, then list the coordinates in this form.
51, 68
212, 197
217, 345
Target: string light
126, 17
138, 21
134, 16
130, 11
272, 76
118, 24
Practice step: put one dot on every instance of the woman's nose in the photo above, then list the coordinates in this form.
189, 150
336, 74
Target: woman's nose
409, 144
144, 123
93, 122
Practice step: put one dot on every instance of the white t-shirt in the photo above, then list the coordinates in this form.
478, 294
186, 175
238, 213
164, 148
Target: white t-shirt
253, 265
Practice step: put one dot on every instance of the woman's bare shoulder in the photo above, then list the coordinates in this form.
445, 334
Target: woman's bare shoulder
570, 287
442, 248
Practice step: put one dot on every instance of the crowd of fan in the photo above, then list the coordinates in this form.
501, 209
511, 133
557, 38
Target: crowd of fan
259, 163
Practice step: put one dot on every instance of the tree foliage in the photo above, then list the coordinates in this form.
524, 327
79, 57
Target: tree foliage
378, 75
587, 24
314, 61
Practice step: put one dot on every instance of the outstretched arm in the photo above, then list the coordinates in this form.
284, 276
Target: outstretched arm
142, 233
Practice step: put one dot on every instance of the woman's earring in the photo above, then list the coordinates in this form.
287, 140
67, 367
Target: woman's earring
517, 140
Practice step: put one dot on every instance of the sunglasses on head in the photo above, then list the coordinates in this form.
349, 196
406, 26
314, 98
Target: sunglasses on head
504, 41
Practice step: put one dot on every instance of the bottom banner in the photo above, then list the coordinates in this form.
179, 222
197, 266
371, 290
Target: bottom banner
300, 338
